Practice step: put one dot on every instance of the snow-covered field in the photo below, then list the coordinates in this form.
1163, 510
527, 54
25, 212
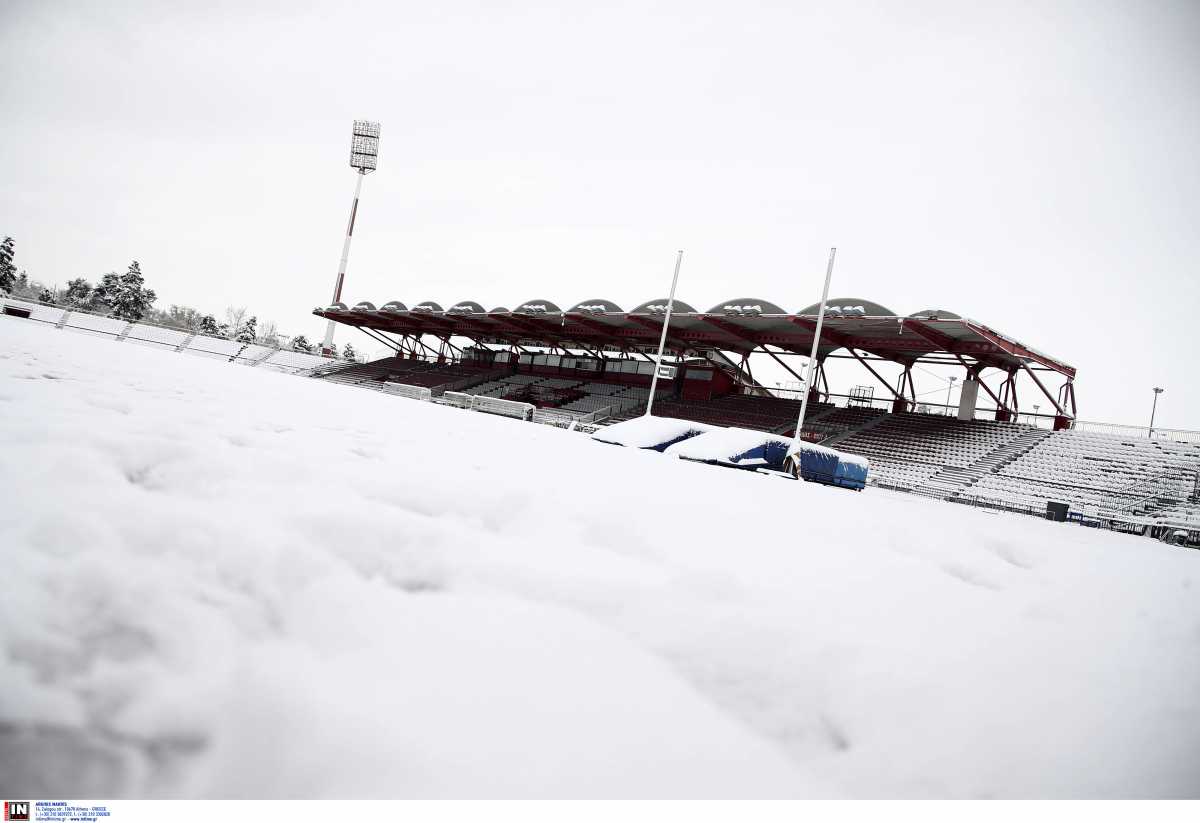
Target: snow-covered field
225, 582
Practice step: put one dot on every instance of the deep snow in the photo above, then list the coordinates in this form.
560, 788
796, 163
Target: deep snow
225, 582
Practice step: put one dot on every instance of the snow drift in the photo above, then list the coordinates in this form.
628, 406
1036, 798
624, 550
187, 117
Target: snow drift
221, 582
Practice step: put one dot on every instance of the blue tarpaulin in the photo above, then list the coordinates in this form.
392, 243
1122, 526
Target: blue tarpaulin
743, 448
821, 465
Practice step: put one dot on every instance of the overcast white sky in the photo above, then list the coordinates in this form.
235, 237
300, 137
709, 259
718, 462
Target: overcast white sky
1033, 166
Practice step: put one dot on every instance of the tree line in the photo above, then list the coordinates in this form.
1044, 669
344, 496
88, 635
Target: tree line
125, 296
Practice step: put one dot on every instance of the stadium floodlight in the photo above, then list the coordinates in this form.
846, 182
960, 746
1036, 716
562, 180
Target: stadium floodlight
794, 452
364, 146
662, 340
364, 159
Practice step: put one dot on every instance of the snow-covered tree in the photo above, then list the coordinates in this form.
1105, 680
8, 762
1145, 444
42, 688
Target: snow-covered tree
300, 343
132, 298
8, 272
78, 294
248, 332
46, 296
208, 325
105, 292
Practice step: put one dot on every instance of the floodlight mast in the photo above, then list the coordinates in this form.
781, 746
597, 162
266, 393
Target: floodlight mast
364, 159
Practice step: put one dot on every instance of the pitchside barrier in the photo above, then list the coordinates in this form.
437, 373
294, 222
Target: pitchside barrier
508, 408
165, 338
457, 399
403, 390
570, 420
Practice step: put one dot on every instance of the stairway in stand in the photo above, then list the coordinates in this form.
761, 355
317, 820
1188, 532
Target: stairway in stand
832, 442
953, 481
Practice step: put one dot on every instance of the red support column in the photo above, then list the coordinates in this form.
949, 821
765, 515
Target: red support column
1003, 413
899, 403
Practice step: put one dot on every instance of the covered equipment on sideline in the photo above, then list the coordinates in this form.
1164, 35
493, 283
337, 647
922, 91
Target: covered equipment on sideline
741, 448
818, 464
646, 432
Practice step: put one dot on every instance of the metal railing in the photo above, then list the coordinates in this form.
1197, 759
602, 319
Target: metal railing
188, 340
566, 419
1138, 432
508, 408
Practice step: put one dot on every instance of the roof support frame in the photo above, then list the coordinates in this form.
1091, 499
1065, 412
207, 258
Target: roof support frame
646, 322
732, 330
844, 341
878, 376
379, 337
943, 341
780, 362
957, 342
1045, 391
603, 332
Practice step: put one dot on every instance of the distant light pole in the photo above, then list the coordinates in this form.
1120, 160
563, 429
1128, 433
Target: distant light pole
364, 159
948, 390
1035, 413
662, 340
1153, 409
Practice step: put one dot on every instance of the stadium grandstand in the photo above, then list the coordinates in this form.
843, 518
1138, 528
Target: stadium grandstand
593, 364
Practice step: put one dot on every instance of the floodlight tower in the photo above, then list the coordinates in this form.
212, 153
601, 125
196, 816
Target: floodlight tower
364, 157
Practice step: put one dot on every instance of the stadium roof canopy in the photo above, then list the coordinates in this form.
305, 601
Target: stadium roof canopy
740, 325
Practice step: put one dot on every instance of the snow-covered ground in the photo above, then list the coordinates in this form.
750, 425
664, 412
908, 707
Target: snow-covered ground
225, 582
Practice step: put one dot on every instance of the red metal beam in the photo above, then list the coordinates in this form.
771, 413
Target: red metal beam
878, 377
871, 345
943, 341
731, 329
1019, 351
1049, 397
602, 331
765, 350
656, 327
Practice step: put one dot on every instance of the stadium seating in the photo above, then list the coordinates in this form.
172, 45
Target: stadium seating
1101, 475
419, 373
567, 395
144, 334
995, 464
1019, 467
775, 415
908, 451
292, 362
